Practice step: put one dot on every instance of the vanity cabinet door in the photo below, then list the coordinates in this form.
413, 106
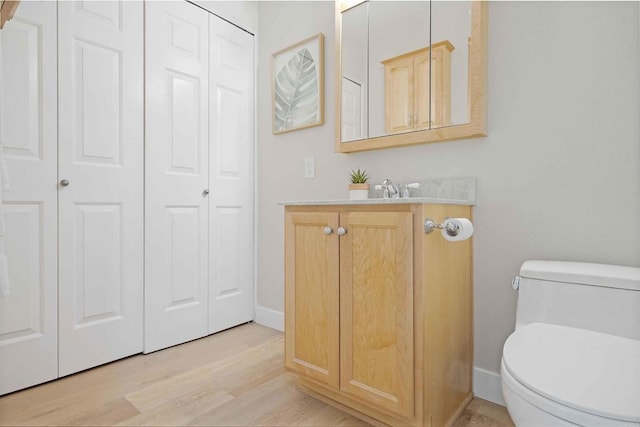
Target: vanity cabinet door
409, 79
376, 309
440, 76
398, 94
312, 292
422, 77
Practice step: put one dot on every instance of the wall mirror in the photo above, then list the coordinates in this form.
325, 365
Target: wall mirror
409, 72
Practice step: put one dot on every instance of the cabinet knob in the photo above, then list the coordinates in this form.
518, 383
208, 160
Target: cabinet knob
64, 182
327, 230
341, 231
205, 192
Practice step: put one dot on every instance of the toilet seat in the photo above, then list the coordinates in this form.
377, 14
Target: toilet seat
575, 373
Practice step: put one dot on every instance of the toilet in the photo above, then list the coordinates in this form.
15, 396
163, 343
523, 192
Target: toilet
574, 357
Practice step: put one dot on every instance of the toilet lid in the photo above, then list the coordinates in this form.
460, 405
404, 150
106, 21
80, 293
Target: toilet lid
588, 371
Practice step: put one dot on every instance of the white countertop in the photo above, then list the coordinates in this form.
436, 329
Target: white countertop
405, 201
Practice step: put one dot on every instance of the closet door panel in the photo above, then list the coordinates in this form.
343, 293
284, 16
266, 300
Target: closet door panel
96, 136
101, 158
29, 313
231, 119
177, 173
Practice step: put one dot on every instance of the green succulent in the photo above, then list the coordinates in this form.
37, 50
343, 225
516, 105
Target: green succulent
358, 176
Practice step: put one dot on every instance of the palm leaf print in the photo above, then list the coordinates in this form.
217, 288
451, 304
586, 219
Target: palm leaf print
296, 92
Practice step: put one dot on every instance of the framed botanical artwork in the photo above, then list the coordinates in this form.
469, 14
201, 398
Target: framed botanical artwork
298, 85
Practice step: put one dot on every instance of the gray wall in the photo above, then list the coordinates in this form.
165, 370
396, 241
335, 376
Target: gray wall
241, 13
558, 175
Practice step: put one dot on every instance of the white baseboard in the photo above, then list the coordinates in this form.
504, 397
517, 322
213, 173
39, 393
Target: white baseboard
270, 318
487, 385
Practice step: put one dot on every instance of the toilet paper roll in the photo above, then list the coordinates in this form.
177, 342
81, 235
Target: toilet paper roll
465, 229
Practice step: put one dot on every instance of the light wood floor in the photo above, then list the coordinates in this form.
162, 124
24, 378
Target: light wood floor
236, 377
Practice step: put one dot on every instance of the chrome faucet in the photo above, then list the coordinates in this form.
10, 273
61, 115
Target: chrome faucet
390, 190
393, 191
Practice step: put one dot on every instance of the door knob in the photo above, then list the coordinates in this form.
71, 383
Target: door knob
327, 230
341, 231
205, 192
64, 182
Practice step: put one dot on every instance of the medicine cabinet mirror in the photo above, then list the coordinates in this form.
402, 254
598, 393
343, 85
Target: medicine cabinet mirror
409, 72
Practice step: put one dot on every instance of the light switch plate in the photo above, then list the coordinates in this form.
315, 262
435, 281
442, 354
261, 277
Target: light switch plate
309, 167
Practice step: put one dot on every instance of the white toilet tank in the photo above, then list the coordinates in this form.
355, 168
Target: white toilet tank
597, 297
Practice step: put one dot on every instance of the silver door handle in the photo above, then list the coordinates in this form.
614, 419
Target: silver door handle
327, 230
205, 192
341, 231
64, 182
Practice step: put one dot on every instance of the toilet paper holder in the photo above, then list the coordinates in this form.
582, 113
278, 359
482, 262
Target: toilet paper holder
451, 228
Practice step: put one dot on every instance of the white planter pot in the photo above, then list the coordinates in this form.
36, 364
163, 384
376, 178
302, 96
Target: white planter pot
358, 194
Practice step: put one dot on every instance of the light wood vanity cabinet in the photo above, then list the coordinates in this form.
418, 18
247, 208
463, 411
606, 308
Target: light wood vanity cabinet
406, 89
378, 314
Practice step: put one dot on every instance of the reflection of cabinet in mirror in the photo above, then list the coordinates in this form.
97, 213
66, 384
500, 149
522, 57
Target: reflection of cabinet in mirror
369, 33
406, 83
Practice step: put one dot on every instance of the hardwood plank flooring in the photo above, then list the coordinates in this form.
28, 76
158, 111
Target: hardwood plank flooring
234, 378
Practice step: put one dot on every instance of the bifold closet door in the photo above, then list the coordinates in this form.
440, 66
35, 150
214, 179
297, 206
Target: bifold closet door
177, 173
231, 136
100, 139
29, 314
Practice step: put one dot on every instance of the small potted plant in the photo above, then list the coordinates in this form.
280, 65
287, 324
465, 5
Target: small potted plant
358, 186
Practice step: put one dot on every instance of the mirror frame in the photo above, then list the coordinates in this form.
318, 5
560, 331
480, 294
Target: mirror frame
477, 91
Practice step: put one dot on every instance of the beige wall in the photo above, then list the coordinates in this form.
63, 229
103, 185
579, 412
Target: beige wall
558, 175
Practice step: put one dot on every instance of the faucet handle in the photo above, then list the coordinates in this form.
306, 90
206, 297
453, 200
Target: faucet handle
405, 189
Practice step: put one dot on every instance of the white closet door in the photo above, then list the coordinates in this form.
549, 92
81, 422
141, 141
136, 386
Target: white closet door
176, 268
100, 88
29, 315
231, 136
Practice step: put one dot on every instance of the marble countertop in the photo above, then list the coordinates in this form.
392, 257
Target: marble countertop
378, 201
437, 191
